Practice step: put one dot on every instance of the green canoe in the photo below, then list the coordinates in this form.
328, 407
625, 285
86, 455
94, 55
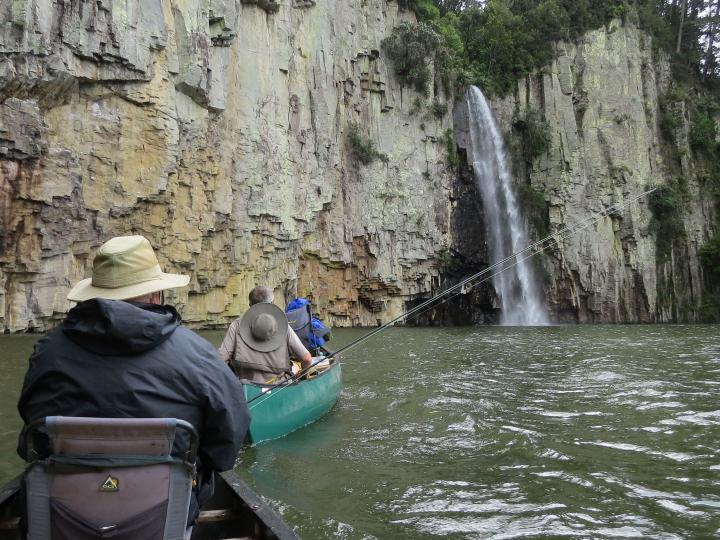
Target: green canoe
283, 409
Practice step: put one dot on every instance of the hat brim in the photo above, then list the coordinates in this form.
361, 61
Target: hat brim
85, 290
280, 320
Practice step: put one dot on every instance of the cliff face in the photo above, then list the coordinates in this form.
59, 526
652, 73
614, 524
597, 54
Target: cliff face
601, 99
219, 130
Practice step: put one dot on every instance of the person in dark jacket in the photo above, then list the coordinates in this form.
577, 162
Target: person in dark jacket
121, 354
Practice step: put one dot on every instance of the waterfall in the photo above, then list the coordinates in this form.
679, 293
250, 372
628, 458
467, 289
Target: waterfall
516, 286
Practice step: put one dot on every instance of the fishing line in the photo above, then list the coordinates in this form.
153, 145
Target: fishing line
534, 248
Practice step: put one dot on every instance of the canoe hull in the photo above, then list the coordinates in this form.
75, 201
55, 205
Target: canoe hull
280, 411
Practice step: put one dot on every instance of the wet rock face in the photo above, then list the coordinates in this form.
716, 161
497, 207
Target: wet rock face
475, 303
218, 129
600, 99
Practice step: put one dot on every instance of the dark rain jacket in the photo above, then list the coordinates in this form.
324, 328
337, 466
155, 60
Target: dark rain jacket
117, 359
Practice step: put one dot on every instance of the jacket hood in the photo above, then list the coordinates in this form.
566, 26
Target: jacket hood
117, 328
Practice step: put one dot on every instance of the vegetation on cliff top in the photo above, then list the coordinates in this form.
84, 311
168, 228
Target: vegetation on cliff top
493, 43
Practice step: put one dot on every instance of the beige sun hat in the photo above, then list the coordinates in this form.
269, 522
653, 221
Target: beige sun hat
125, 267
264, 327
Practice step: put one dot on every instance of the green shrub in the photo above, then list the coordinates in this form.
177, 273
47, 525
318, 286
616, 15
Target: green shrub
665, 204
710, 308
534, 133
710, 255
668, 124
535, 209
438, 108
412, 49
451, 147
710, 261
703, 133
362, 148
417, 106
618, 11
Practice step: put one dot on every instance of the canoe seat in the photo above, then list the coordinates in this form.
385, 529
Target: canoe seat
92, 478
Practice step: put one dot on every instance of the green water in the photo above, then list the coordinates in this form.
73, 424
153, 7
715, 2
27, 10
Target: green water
582, 432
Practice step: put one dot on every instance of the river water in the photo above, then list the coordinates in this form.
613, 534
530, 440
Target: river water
493, 432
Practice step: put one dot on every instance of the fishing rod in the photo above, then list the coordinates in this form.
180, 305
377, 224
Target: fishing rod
534, 249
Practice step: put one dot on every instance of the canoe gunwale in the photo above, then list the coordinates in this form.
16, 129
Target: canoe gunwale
272, 386
259, 508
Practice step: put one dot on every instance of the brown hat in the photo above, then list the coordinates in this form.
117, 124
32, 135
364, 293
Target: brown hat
125, 267
264, 327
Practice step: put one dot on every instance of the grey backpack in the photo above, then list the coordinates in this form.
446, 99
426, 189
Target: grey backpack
108, 478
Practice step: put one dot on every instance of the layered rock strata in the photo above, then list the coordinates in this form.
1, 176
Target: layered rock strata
219, 130
601, 99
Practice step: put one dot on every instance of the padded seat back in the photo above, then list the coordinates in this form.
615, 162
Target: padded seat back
109, 478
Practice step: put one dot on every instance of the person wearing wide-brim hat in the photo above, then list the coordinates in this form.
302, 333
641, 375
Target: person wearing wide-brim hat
125, 268
119, 353
261, 344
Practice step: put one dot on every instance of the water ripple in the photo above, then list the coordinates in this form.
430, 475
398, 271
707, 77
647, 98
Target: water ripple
490, 433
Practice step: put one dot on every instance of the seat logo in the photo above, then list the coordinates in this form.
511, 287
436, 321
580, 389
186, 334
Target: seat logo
110, 484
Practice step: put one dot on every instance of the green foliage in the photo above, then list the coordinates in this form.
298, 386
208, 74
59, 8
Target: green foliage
710, 256
535, 209
666, 207
710, 308
435, 109
412, 48
652, 22
710, 260
451, 147
362, 148
497, 46
703, 138
493, 43
447, 260
534, 134
668, 124
438, 108
703, 132
505, 41
443, 257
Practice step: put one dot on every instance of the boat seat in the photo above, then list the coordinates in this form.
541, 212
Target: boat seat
108, 478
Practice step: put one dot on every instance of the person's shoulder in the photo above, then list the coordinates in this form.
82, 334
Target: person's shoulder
51, 342
188, 336
235, 324
198, 350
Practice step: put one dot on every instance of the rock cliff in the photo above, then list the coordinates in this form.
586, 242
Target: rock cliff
602, 100
223, 131
219, 129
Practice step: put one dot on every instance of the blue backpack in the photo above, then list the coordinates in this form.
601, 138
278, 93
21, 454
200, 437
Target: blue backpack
311, 331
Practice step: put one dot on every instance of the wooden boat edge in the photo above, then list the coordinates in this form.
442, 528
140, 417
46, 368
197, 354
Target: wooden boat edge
259, 507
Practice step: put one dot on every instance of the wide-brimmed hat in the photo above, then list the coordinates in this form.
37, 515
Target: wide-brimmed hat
264, 327
125, 267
